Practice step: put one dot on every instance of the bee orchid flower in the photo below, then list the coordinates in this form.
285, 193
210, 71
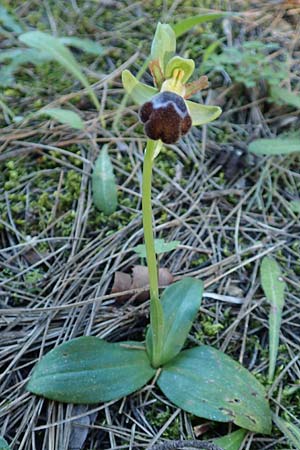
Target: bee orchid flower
165, 110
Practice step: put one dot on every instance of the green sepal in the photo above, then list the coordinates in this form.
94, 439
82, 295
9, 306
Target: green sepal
187, 65
91, 370
202, 114
139, 92
180, 303
206, 382
163, 45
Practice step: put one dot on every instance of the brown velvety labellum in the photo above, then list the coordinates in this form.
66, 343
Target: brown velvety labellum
166, 117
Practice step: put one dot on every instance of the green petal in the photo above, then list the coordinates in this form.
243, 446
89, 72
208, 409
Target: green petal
139, 92
187, 65
202, 114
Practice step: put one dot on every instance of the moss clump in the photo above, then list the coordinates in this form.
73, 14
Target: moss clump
159, 415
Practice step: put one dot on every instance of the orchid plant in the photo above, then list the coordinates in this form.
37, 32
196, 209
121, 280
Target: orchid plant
201, 380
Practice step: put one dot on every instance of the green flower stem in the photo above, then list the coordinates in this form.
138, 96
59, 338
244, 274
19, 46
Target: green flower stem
156, 311
147, 217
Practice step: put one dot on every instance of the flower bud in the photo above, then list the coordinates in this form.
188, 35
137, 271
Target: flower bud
166, 117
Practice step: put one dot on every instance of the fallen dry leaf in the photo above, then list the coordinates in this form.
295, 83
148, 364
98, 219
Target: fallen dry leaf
139, 279
201, 429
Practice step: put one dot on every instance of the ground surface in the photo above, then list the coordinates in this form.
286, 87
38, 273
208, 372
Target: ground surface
58, 254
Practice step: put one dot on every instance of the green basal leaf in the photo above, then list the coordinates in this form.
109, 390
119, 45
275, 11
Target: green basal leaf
104, 188
161, 246
181, 302
231, 441
3, 444
163, 45
63, 116
91, 370
291, 432
187, 65
139, 92
273, 286
202, 114
277, 146
61, 54
206, 382
186, 24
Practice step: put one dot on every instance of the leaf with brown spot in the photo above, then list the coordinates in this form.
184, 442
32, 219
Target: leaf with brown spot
184, 381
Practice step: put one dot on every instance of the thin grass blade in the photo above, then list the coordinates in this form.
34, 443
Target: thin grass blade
186, 24
59, 53
291, 432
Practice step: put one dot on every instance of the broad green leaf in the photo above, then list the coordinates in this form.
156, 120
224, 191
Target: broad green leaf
277, 146
8, 21
231, 441
202, 114
139, 92
295, 206
63, 116
3, 444
206, 382
186, 24
181, 302
86, 45
105, 195
90, 370
187, 65
286, 96
161, 246
273, 286
59, 53
291, 432
163, 45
